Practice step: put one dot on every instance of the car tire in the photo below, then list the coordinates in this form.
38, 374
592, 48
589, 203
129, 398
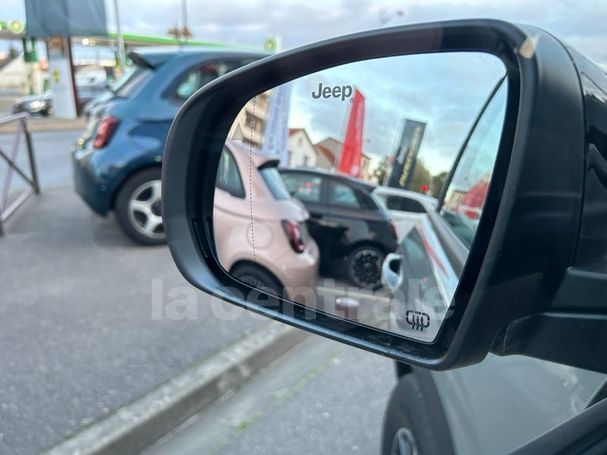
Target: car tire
138, 208
415, 423
257, 277
363, 267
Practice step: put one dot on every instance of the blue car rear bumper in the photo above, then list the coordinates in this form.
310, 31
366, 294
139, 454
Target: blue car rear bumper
89, 184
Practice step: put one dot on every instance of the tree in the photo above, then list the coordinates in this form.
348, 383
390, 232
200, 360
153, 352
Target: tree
421, 177
380, 173
437, 182
180, 33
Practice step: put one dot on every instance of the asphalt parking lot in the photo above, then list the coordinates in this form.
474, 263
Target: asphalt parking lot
88, 320
80, 331
83, 323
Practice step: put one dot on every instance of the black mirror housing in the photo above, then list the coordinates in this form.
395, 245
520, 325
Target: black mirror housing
529, 232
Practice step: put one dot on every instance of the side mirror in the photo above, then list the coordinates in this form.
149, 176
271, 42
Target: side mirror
391, 272
490, 111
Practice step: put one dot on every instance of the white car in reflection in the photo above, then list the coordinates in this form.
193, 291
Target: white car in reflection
405, 207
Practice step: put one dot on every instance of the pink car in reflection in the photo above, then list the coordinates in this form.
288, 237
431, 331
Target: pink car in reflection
260, 230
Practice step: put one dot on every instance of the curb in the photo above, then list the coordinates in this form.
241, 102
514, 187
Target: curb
39, 125
137, 425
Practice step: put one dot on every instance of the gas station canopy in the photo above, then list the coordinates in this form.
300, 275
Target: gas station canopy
16, 31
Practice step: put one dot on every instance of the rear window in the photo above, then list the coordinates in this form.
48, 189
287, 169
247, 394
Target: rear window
228, 177
202, 74
401, 204
275, 183
132, 81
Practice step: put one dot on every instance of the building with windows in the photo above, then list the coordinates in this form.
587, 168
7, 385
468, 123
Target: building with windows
331, 149
326, 159
250, 123
301, 149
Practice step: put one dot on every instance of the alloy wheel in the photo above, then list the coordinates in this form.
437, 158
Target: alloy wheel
365, 266
144, 209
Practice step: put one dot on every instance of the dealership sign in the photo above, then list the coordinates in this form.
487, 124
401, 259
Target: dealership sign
406, 155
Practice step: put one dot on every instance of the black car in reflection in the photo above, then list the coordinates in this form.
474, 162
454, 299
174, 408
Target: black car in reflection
353, 231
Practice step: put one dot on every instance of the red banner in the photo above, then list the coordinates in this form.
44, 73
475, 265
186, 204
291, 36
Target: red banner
352, 151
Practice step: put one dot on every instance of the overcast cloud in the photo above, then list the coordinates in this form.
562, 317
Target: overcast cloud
581, 23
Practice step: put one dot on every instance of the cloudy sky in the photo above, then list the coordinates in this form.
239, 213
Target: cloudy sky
579, 22
444, 91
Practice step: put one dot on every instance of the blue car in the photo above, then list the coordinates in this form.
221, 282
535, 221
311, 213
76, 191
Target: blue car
117, 159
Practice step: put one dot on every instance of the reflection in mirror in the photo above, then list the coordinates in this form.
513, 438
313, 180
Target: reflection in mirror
328, 189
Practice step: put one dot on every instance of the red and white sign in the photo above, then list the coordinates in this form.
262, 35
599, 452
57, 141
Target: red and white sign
351, 155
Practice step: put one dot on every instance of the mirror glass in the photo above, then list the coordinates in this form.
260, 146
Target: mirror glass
331, 188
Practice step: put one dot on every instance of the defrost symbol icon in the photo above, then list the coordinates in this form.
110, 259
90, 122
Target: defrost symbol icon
418, 320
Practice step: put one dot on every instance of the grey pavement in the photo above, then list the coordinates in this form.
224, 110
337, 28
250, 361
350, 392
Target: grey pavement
323, 398
89, 321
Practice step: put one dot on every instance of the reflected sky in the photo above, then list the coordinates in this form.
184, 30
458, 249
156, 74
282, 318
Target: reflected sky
446, 91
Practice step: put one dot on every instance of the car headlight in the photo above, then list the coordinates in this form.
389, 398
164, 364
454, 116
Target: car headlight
36, 104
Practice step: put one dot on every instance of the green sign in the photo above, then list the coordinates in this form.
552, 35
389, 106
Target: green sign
270, 44
16, 27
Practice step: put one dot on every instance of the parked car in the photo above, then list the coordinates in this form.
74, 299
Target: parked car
404, 206
117, 159
89, 86
279, 221
35, 104
353, 231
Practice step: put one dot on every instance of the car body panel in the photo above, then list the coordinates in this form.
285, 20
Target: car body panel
256, 235
144, 121
338, 229
504, 402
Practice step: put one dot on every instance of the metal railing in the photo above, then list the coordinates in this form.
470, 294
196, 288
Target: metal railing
7, 208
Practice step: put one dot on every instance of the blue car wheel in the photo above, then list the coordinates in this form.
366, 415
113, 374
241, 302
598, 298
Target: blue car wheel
138, 207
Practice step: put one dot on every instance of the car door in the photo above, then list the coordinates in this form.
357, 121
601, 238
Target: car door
309, 188
344, 221
502, 402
